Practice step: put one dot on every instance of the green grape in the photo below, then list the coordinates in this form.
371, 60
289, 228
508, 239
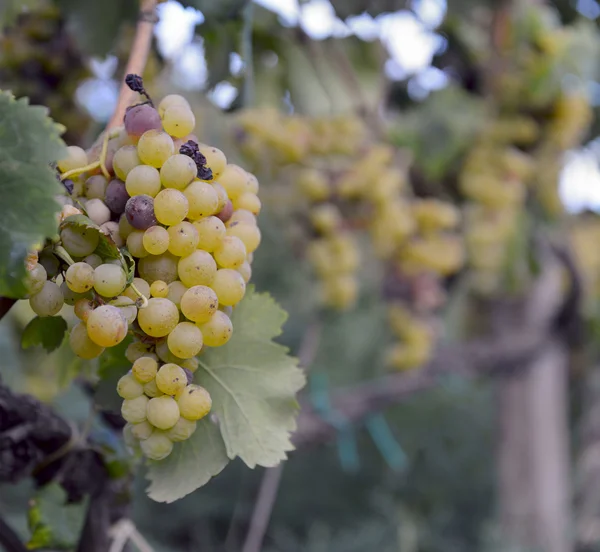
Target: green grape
340, 291
171, 100
81, 344
176, 291
129, 388
95, 187
134, 410
76, 158
211, 231
229, 286
246, 271
162, 412
194, 403
215, 159
178, 121
82, 309
143, 180
165, 354
248, 201
230, 253
124, 160
190, 364
326, 218
202, 199
159, 289
144, 369
313, 184
70, 297
156, 240
158, 267
223, 198
199, 303
107, 326
97, 211
182, 430
151, 390
135, 351
159, 318
79, 241
234, 180
135, 244
178, 171
242, 215
93, 260
155, 147
197, 269
217, 331
142, 430
79, 277
109, 280
157, 447
48, 301
36, 278
124, 227
129, 439
183, 239
128, 308
248, 233
171, 379
170, 207
185, 341
141, 285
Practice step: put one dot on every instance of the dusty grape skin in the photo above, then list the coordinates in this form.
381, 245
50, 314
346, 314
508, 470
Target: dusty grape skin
139, 211
141, 118
116, 196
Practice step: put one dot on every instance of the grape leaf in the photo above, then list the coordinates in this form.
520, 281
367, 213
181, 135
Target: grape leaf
29, 141
48, 332
53, 523
190, 466
253, 382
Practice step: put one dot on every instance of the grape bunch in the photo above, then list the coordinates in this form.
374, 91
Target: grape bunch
352, 189
188, 219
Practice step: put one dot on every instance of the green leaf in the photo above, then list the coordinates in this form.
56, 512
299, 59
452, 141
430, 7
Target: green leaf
29, 141
190, 466
53, 523
48, 332
253, 383
128, 265
10, 10
218, 11
96, 25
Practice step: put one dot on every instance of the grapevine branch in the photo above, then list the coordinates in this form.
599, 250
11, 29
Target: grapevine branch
137, 59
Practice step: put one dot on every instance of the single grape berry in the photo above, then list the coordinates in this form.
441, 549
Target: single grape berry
139, 211
116, 196
140, 118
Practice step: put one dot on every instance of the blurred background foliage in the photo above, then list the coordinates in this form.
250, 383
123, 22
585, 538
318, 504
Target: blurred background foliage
67, 55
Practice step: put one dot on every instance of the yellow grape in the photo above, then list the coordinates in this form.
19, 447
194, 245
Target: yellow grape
217, 331
81, 344
185, 341
157, 447
313, 184
248, 201
229, 286
144, 369
183, 239
129, 388
155, 147
242, 215
197, 269
178, 120
171, 379
134, 410
178, 171
151, 390
215, 159
158, 267
79, 277
246, 271
142, 430
230, 253
171, 100
159, 289
162, 412
326, 218
109, 280
248, 233
202, 199
124, 160
199, 303
143, 180
170, 206
222, 196
159, 317
82, 309
211, 231
76, 158
182, 430
135, 244
107, 326
234, 180
194, 403
141, 285
49, 300
176, 291
156, 240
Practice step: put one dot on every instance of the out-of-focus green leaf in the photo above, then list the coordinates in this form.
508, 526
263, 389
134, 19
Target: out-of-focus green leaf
48, 332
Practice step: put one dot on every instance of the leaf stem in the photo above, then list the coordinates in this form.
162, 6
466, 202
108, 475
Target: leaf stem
62, 253
137, 59
80, 170
102, 159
